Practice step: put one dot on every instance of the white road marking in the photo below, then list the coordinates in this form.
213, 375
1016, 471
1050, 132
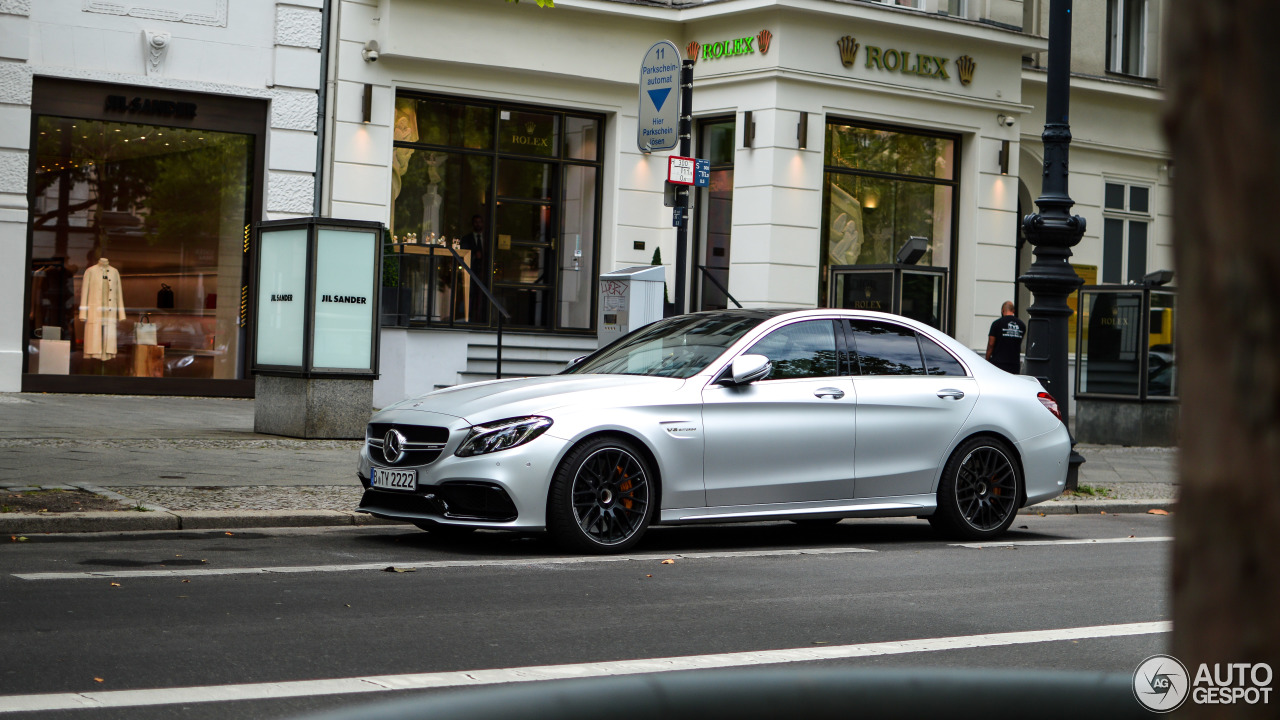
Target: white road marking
472, 678
1103, 541
434, 564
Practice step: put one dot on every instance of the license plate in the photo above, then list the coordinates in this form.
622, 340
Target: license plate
395, 479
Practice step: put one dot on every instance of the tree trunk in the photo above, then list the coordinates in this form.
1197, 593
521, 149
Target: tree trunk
1223, 124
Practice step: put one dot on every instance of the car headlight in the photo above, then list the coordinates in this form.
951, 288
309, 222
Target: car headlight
502, 435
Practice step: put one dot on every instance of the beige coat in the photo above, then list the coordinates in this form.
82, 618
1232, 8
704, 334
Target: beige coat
101, 305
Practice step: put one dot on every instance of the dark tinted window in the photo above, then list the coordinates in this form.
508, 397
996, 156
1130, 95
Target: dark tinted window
938, 361
886, 349
800, 350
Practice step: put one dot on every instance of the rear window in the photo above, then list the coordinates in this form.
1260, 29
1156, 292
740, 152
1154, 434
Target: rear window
937, 361
883, 348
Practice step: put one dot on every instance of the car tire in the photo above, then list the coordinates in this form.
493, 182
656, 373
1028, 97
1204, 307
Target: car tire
602, 497
980, 490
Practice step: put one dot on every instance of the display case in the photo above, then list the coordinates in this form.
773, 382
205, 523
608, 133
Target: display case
1125, 343
914, 291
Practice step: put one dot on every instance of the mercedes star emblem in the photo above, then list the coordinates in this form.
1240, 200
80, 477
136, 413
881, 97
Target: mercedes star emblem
393, 446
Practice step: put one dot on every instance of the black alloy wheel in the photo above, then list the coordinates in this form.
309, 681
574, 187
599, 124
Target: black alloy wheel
601, 497
980, 491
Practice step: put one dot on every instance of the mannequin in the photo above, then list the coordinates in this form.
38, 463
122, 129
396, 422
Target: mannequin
101, 306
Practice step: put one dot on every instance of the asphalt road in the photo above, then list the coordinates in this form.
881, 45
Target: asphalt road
86, 615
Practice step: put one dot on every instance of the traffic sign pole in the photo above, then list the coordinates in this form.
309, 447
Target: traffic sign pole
682, 191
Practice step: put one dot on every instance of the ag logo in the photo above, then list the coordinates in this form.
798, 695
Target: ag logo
1161, 683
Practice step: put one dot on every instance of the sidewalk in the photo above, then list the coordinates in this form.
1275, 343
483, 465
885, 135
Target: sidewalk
170, 463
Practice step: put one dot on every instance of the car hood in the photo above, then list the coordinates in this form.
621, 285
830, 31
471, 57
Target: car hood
496, 399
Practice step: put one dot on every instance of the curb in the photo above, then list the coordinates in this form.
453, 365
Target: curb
1095, 507
131, 521
127, 521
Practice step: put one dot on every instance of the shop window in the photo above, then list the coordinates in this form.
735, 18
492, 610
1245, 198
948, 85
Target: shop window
1126, 37
1125, 224
715, 215
882, 187
515, 191
138, 233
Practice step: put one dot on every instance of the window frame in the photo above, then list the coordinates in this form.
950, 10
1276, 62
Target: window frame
954, 182
560, 161
1127, 218
1120, 37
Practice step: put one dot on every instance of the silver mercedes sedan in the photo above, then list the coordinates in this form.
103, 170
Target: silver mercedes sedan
809, 415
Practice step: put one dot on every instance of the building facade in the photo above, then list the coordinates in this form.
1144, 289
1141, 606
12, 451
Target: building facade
140, 141
836, 131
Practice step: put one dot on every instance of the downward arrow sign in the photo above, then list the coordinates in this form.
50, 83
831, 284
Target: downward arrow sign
659, 97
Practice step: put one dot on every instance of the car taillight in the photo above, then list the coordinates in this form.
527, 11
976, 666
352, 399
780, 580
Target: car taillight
1050, 404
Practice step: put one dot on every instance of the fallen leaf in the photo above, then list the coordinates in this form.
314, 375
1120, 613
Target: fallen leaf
115, 584
1040, 514
99, 680
346, 606
228, 534
648, 576
668, 562
1104, 512
1131, 536
1157, 511
393, 568
819, 642
186, 581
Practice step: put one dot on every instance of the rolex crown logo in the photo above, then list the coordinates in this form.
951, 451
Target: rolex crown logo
691, 52
966, 65
848, 50
762, 41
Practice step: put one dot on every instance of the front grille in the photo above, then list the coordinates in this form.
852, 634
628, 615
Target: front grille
422, 444
458, 501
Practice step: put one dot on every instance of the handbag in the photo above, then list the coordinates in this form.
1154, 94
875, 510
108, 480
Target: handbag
164, 297
144, 331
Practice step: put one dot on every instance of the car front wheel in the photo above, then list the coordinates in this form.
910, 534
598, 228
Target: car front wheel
979, 493
602, 497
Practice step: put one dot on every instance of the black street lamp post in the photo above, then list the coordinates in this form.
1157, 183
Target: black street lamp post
1053, 232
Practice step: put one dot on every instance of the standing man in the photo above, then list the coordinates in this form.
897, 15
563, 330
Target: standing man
1004, 340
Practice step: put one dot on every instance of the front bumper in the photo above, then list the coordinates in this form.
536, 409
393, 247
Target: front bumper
506, 489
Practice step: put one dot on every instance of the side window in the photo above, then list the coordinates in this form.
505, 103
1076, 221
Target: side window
937, 361
800, 350
883, 348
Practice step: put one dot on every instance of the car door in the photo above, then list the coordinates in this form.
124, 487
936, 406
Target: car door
788, 437
913, 398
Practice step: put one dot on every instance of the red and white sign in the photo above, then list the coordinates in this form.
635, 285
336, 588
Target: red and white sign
680, 170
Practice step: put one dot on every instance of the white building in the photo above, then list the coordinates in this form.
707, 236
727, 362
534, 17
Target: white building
837, 130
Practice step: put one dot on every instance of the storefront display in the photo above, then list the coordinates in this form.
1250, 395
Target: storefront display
884, 186
515, 191
137, 231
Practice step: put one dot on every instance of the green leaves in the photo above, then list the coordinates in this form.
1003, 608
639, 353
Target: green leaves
541, 3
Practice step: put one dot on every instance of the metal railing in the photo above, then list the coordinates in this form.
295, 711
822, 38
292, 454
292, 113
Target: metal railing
707, 273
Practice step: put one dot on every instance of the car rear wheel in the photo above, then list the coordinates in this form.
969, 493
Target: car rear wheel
602, 497
980, 490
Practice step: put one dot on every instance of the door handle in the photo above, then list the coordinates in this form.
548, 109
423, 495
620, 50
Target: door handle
950, 393
836, 393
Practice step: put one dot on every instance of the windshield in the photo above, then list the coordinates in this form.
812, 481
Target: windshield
678, 347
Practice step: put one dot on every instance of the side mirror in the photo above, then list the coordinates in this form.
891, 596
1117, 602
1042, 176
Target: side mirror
749, 368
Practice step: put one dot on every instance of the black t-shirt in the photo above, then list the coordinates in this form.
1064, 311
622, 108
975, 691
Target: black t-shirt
1008, 332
